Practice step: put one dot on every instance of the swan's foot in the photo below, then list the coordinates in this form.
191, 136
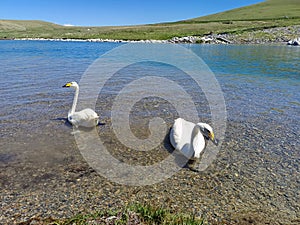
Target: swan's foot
75, 132
193, 164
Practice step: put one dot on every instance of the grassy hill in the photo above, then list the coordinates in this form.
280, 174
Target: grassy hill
268, 14
268, 10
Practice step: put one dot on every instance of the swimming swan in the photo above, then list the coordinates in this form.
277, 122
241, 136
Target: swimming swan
83, 118
189, 138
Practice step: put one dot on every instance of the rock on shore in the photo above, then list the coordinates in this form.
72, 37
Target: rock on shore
278, 35
294, 42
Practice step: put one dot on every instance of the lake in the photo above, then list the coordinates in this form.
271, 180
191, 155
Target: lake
255, 175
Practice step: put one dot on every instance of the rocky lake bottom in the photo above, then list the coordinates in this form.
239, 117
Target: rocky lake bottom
253, 180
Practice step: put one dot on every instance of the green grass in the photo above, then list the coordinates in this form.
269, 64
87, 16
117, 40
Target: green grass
133, 214
150, 215
268, 10
272, 13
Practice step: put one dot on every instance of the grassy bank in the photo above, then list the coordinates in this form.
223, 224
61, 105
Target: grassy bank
269, 14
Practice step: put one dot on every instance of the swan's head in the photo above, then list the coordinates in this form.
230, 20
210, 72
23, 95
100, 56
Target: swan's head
208, 132
71, 84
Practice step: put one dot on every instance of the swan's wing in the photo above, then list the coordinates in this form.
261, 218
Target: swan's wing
176, 133
180, 136
84, 118
90, 114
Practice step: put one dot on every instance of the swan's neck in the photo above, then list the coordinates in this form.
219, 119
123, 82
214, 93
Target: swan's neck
74, 101
196, 142
195, 132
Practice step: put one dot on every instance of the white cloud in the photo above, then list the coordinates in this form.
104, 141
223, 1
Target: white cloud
69, 25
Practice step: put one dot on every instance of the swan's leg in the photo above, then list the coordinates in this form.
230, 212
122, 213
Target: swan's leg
193, 164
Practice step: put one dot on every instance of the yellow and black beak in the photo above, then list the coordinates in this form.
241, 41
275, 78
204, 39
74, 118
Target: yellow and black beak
212, 138
67, 85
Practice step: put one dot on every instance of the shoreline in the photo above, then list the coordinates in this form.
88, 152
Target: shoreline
279, 35
176, 40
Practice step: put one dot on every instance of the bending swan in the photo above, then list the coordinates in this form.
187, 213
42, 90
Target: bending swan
83, 118
189, 138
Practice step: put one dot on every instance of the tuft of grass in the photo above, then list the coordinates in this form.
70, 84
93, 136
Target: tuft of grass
154, 215
133, 214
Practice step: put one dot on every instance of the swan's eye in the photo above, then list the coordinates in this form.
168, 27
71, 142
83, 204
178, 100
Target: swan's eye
206, 130
206, 133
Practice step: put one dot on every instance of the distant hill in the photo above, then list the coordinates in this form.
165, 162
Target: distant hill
27, 28
268, 14
23, 25
270, 9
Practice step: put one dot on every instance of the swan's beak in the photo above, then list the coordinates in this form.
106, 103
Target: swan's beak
67, 85
213, 139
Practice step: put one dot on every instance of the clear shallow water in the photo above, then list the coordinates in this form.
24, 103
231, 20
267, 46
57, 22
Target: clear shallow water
257, 81
260, 86
32, 100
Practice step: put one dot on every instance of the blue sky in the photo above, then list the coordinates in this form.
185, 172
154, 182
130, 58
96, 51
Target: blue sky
114, 12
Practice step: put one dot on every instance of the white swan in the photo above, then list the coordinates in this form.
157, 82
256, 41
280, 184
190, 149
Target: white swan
83, 118
189, 138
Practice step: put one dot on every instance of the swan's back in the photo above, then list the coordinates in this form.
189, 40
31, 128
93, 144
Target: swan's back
84, 118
